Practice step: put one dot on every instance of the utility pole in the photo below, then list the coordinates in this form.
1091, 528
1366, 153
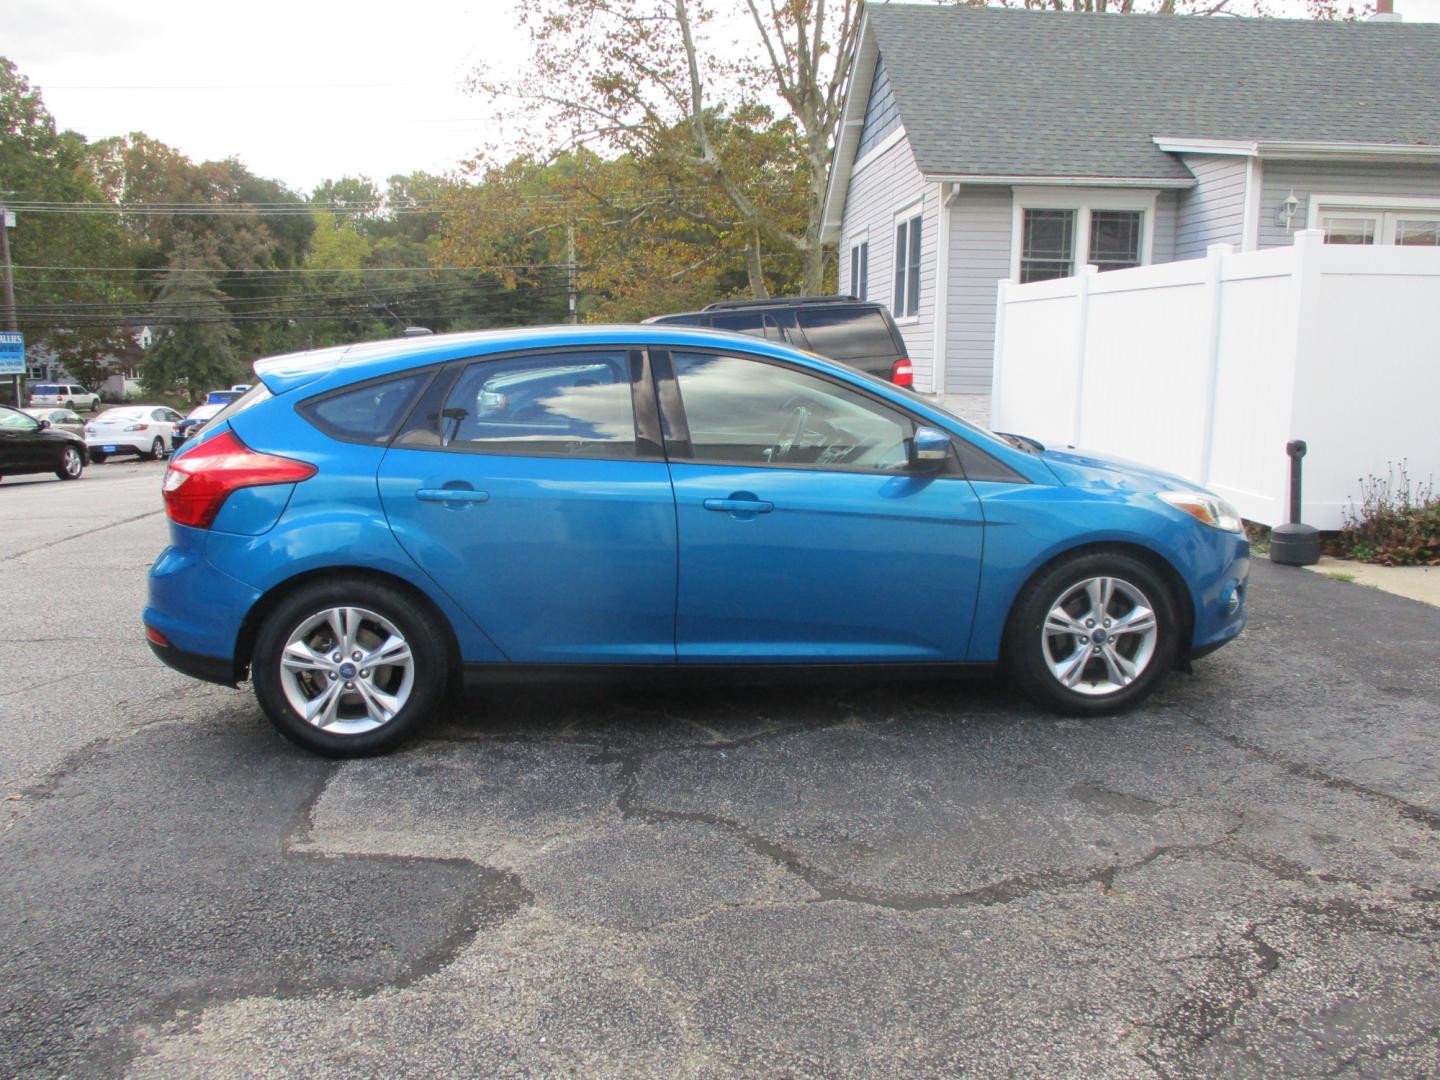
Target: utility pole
6, 218
570, 269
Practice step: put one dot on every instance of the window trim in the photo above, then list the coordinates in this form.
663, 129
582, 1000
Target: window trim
680, 447
1082, 200
862, 240
904, 217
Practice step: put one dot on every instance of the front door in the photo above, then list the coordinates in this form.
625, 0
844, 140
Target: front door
528, 488
804, 536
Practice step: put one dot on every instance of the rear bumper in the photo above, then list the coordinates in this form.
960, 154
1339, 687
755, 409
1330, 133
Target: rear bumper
119, 447
214, 669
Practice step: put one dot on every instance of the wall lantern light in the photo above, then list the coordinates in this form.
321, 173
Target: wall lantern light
1286, 211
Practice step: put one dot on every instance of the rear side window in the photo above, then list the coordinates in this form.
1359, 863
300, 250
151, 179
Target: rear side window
846, 333
368, 413
578, 404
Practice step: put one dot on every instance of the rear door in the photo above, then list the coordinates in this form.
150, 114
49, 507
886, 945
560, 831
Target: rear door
533, 489
803, 535
859, 336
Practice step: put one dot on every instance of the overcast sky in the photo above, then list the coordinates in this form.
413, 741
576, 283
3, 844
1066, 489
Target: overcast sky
298, 91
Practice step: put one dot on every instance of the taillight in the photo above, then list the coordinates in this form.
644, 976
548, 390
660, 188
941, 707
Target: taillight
902, 373
197, 484
138, 427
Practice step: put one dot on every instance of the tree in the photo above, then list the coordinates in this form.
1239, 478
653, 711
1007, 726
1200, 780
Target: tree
64, 311
645, 79
195, 344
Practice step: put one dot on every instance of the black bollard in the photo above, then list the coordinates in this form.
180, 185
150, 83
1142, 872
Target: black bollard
1294, 544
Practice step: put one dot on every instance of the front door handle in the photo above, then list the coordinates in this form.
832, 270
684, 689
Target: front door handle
452, 495
740, 504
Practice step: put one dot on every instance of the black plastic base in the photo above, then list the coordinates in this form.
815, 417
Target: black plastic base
214, 669
1295, 545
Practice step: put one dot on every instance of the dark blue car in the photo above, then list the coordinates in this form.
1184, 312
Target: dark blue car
370, 522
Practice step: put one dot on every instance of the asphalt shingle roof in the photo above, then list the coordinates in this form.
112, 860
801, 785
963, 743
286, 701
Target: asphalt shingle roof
987, 91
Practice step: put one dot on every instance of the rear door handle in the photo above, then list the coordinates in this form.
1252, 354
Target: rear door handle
740, 506
448, 495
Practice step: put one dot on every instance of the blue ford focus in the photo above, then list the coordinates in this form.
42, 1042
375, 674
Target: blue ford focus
369, 523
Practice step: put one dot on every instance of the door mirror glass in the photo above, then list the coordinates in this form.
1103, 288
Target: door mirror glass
929, 448
43, 424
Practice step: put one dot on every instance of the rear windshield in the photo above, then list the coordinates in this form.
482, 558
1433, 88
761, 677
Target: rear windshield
222, 397
846, 333
254, 396
46, 388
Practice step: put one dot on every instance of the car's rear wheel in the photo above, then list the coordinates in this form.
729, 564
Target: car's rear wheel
1093, 634
95, 405
71, 464
157, 449
349, 667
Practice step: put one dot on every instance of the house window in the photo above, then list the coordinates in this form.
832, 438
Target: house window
1047, 245
860, 270
1115, 238
907, 267
1406, 227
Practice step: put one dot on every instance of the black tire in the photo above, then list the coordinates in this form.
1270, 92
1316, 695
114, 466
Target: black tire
423, 632
97, 459
72, 464
1026, 643
157, 449
95, 405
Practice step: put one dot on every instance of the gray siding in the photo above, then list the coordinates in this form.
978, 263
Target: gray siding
1409, 180
879, 191
881, 115
1213, 211
980, 220
1167, 211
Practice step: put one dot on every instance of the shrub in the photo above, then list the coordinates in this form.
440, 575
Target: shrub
1396, 524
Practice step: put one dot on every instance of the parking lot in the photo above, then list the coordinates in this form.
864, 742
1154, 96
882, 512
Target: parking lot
1242, 878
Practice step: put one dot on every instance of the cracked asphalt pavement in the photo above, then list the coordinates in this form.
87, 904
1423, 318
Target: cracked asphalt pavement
1240, 879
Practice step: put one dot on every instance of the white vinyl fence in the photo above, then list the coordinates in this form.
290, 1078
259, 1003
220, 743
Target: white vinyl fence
1208, 367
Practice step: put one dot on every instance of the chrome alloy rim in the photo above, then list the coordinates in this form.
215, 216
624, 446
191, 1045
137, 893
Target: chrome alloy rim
347, 670
70, 462
1099, 636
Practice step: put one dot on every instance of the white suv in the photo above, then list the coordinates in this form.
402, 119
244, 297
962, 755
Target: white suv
65, 395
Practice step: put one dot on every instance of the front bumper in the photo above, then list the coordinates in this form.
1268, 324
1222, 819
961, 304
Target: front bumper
1221, 610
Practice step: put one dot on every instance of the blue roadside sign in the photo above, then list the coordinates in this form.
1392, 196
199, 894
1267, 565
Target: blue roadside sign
12, 352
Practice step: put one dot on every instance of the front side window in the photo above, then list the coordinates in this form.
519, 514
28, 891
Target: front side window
1047, 245
577, 404
860, 270
744, 411
907, 268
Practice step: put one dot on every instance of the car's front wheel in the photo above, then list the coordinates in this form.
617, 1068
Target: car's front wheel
349, 667
1093, 634
71, 464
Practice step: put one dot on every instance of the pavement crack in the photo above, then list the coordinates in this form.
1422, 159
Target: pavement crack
1411, 812
76, 536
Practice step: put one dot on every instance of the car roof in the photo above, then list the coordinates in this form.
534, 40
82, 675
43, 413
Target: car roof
374, 358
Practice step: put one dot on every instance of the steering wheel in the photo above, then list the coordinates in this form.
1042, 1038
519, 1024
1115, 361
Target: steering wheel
793, 429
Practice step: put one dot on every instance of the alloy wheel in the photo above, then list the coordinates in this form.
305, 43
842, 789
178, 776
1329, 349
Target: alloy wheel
347, 670
70, 462
1099, 636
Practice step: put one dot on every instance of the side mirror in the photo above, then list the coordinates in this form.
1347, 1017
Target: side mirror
44, 424
929, 448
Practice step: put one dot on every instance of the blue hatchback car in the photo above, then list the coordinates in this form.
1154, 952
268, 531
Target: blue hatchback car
371, 522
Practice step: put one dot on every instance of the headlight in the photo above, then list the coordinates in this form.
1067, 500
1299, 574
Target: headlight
1213, 511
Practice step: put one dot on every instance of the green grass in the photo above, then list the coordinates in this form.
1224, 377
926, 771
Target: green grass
1338, 575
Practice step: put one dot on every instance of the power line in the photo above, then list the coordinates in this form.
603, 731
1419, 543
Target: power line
222, 273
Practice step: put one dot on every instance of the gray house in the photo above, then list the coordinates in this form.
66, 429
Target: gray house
981, 144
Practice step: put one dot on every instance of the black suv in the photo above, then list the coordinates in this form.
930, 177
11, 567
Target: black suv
856, 332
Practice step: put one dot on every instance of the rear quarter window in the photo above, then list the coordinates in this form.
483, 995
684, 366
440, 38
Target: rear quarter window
368, 413
846, 334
